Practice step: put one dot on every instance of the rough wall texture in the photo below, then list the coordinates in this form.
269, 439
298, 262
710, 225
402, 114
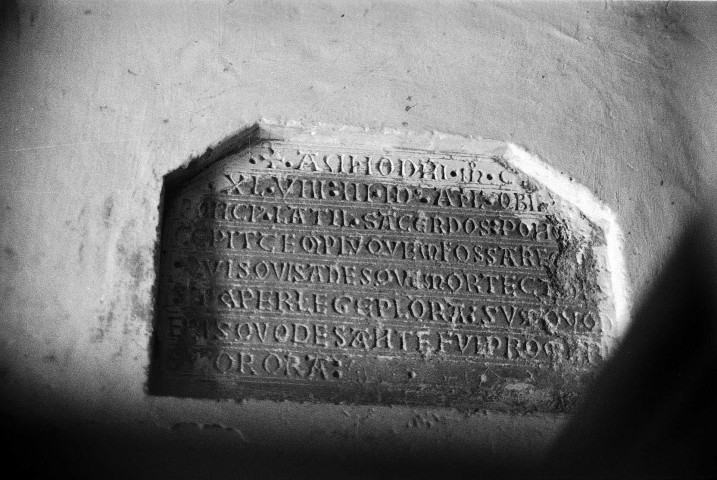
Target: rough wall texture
100, 100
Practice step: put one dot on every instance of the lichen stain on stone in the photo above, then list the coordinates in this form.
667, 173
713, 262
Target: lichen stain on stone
105, 322
130, 301
138, 264
667, 19
10, 262
107, 209
133, 264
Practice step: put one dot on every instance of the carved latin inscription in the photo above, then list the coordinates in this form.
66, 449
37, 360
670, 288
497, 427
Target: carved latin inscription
293, 270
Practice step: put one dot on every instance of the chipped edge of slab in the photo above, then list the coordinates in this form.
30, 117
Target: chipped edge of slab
597, 212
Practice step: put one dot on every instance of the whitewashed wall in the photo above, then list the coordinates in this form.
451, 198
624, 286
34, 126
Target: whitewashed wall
100, 99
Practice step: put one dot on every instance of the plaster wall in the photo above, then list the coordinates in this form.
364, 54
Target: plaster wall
100, 100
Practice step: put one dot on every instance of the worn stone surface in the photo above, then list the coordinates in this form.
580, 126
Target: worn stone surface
350, 266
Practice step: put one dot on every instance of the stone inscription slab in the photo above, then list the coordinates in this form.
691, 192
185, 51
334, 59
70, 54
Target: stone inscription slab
312, 270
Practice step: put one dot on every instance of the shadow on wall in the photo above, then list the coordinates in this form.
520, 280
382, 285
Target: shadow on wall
169, 291
651, 413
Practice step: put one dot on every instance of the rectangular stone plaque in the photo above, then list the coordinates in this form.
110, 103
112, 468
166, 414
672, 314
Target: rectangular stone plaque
345, 266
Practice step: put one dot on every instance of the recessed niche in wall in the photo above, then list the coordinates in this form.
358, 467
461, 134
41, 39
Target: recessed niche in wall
343, 265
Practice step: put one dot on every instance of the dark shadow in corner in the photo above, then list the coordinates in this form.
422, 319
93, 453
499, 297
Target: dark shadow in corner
135, 451
652, 411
